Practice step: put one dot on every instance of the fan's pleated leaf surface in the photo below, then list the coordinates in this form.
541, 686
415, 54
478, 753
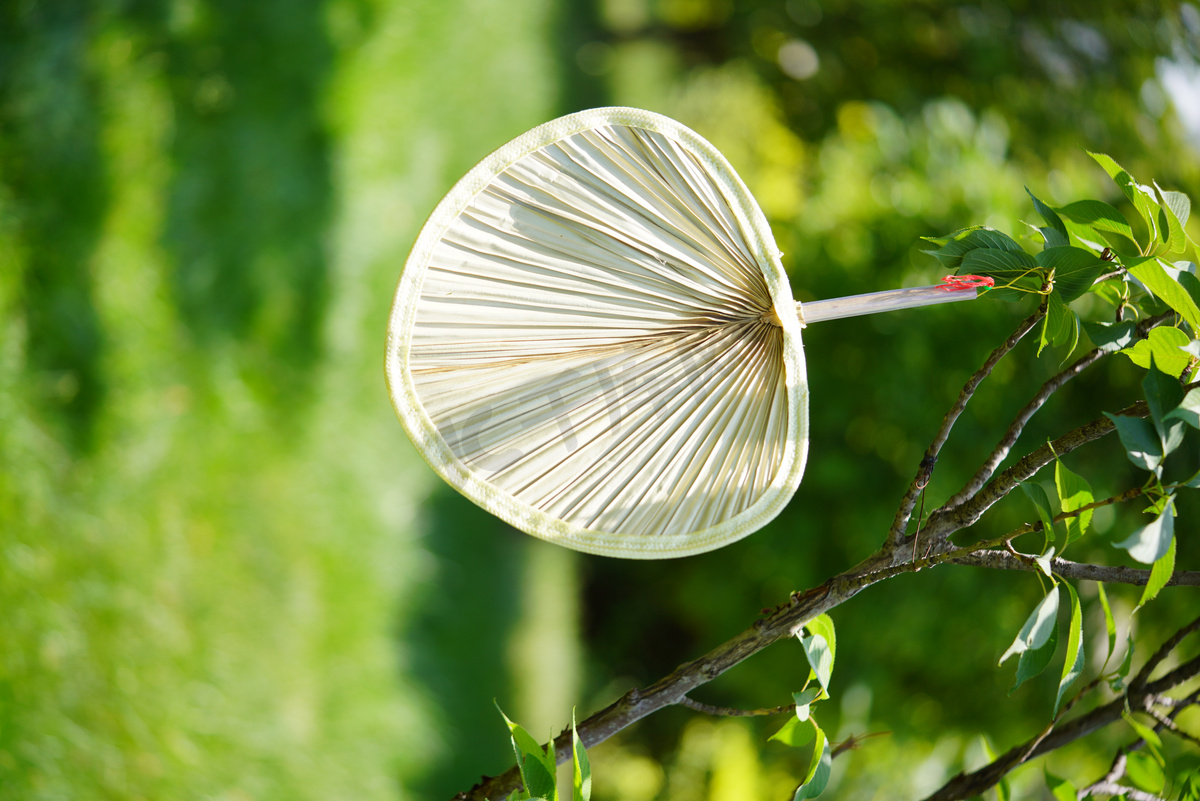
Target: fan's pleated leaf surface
594, 339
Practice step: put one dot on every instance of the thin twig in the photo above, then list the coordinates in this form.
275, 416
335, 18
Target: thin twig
1018, 426
1023, 417
925, 471
1080, 571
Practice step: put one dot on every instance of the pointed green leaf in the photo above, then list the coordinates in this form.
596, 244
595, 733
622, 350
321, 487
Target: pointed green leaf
1141, 197
820, 659
1075, 269
1111, 337
1151, 273
1150, 543
581, 772
1055, 233
1074, 492
1035, 660
1074, 662
1109, 624
537, 766
1163, 345
818, 776
1039, 626
1189, 409
1160, 574
1147, 734
1015, 272
953, 247
1177, 238
796, 733
1163, 394
1140, 440
1041, 503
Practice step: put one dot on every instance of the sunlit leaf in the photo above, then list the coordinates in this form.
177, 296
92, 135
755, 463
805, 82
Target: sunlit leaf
1074, 662
581, 773
804, 699
1039, 626
537, 766
1160, 574
1035, 660
820, 658
817, 776
1109, 624
1144, 772
1151, 273
1177, 239
1074, 492
1107, 223
1150, 543
1140, 196
796, 732
1189, 409
1163, 345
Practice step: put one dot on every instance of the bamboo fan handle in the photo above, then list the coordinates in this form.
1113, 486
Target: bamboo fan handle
953, 288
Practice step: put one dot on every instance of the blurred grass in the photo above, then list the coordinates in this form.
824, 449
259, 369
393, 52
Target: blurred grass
208, 513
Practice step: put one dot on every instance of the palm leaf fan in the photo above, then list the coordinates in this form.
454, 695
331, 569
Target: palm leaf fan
594, 339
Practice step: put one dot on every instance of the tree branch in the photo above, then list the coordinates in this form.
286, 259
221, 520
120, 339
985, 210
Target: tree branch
730, 712
1082, 571
967, 785
925, 471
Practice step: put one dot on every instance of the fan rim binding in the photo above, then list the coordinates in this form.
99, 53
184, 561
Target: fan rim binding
434, 449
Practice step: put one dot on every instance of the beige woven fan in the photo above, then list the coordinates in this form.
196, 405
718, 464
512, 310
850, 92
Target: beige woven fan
595, 340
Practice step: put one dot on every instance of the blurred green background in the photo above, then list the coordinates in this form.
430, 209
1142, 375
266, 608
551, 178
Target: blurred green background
225, 573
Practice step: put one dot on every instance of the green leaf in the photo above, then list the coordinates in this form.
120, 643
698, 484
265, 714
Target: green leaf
1140, 196
1188, 410
1074, 662
820, 659
581, 772
1074, 492
1015, 272
804, 700
822, 626
1035, 660
537, 766
1109, 624
1045, 562
1177, 238
1144, 773
1164, 393
1151, 273
796, 733
1061, 789
1187, 280
1117, 683
1060, 326
1108, 223
1140, 441
1179, 204
953, 247
1055, 234
1151, 542
1163, 345
1111, 337
1075, 269
1041, 503
1160, 574
818, 775
1039, 626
